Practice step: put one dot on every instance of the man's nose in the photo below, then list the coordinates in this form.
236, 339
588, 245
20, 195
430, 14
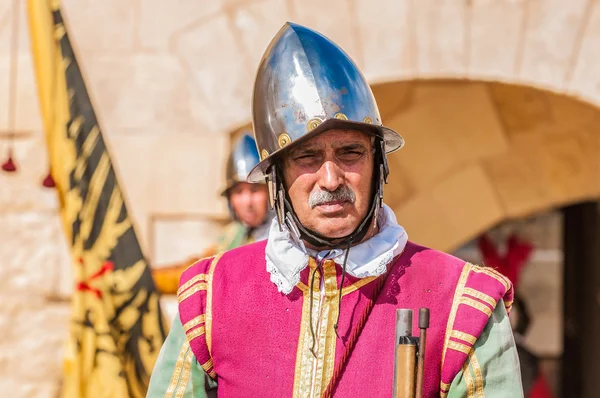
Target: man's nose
247, 199
331, 176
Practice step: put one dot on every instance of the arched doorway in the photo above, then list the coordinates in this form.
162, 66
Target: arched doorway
478, 153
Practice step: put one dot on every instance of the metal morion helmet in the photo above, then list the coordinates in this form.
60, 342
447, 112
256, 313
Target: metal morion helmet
242, 159
306, 85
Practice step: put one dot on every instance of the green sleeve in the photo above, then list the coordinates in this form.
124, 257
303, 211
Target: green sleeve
177, 373
492, 369
234, 236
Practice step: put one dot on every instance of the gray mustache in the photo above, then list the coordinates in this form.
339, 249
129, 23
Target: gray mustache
343, 193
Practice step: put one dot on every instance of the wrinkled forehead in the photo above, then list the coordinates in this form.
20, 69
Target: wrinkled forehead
334, 139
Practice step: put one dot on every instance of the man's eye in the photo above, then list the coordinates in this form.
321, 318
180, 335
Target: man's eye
305, 157
351, 154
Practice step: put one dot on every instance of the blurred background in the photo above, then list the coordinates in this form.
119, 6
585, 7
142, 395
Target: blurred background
497, 100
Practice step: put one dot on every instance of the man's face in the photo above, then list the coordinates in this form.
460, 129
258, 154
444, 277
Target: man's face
328, 179
249, 203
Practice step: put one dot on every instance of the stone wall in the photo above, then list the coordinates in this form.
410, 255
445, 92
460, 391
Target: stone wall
168, 160
33, 324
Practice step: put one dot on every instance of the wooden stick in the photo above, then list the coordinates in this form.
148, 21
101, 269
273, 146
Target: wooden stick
423, 325
405, 370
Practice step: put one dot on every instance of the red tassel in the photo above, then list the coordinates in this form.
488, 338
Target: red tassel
49, 181
9, 166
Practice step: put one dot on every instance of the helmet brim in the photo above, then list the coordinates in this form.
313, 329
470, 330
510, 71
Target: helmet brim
232, 183
393, 142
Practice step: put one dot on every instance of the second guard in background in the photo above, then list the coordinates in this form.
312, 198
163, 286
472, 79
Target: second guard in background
248, 207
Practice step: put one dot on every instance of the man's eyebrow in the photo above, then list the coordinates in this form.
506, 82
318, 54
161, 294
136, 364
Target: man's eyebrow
303, 149
352, 145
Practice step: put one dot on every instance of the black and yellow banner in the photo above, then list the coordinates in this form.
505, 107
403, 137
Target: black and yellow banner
117, 327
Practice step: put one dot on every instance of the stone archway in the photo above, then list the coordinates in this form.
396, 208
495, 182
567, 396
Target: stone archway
478, 153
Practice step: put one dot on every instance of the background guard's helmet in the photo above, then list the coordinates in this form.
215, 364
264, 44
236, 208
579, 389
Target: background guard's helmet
306, 85
240, 162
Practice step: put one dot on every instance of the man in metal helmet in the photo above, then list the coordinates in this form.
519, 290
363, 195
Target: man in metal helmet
248, 202
248, 206
322, 322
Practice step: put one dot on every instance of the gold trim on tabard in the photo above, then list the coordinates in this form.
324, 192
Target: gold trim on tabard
300, 378
368, 120
460, 347
208, 320
194, 322
340, 116
196, 262
313, 123
460, 286
362, 282
478, 305
193, 281
209, 368
478, 375
494, 274
185, 375
207, 365
481, 296
508, 305
312, 375
357, 285
468, 380
302, 287
190, 292
284, 139
185, 347
444, 388
196, 333
469, 338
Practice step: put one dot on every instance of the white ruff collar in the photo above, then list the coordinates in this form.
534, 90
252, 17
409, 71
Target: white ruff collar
285, 259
